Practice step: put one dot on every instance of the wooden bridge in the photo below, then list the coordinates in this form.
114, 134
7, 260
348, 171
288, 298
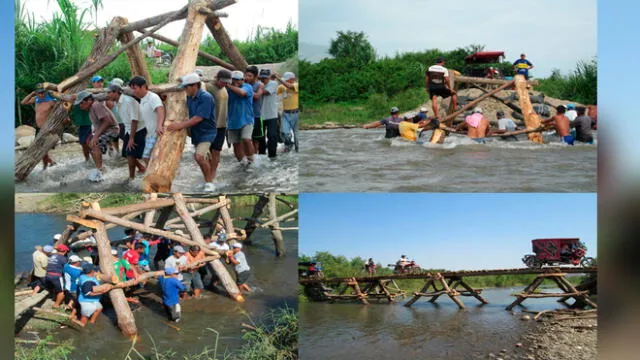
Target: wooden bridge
450, 283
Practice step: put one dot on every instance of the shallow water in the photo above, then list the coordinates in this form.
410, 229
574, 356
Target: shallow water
423, 331
71, 174
271, 278
363, 160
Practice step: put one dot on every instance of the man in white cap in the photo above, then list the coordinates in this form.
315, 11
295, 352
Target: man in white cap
177, 260
240, 120
201, 123
476, 125
269, 111
437, 84
72, 271
152, 114
289, 92
242, 269
105, 127
133, 130
40, 261
56, 238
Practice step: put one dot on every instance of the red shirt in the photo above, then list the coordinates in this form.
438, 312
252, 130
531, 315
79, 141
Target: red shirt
131, 256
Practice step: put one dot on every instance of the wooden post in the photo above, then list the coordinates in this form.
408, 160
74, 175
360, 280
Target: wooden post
165, 158
226, 45
417, 296
531, 118
276, 234
134, 54
251, 225
474, 293
126, 321
228, 223
148, 217
453, 294
49, 135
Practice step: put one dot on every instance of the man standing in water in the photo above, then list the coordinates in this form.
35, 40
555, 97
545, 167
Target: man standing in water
561, 123
251, 78
90, 307
583, 125
505, 125
44, 103
240, 121
40, 262
269, 111
290, 115
476, 125
437, 84
55, 269
242, 268
221, 99
391, 124
151, 113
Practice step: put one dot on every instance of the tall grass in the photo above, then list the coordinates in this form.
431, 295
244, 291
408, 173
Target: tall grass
580, 86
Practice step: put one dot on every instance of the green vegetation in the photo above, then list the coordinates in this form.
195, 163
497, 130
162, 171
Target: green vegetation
43, 350
354, 88
66, 202
56, 49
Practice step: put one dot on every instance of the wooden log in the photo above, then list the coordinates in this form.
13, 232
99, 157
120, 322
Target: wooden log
278, 219
473, 292
476, 101
199, 212
478, 80
226, 45
531, 118
530, 288
584, 297
125, 319
416, 296
149, 215
362, 296
23, 306
136, 58
548, 295
453, 294
23, 292
66, 234
49, 135
166, 155
202, 54
140, 227
252, 223
276, 234
145, 206
228, 223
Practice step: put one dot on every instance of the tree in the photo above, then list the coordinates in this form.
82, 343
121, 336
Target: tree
352, 46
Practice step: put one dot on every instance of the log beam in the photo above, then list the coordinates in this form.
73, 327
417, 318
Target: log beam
478, 80
531, 118
226, 45
276, 233
137, 62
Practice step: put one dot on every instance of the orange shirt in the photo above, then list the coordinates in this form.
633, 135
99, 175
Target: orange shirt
191, 259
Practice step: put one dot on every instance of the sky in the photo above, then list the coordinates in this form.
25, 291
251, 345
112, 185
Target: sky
450, 231
553, 34
244, 16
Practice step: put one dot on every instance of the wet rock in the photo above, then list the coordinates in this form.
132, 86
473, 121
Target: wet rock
525, 317
518, 344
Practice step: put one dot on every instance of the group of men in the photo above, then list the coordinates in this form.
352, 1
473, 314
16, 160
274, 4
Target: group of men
241, 107
74, 280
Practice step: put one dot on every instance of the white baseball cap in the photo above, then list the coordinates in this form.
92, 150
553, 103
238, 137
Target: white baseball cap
57, 236
74, 258
423, 109
477, 110
288, 76
237, 75
237, 245
114, 251
189, 79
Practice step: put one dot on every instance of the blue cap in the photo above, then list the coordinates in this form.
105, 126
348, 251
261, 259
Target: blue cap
96, 78
88, 267
571, 106
47, 249
170, 271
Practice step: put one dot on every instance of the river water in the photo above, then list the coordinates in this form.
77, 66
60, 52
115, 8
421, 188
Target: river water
423, 331
71, 174
363, 160
273, 279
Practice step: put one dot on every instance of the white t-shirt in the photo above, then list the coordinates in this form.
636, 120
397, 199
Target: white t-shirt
571, 114
270, 101
219, 247
148, 105
129, 109
175, 263
439, 68
506, 124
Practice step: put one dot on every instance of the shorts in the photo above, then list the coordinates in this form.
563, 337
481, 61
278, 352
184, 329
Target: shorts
38, 281
54, 283
218, 142
149, 143
192, 280
87, 308
121, 133
138, 140
244, 134
509, 138
258, 129
174, 312
70, 295
439, 91
202, 149
391, 133
568, 139
587, 140
242, 277
84, 133
479, 140
105, 139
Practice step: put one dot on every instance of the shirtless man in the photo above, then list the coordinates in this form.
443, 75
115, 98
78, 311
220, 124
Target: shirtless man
477, 126
44, 103
562, 125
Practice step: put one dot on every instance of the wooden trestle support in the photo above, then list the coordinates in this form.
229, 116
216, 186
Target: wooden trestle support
356, 289
569, 291
448, 286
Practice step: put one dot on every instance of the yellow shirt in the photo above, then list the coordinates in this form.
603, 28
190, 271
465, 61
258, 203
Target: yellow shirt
290, 98
408, 130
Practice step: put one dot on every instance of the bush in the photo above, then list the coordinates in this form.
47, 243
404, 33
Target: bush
580, 86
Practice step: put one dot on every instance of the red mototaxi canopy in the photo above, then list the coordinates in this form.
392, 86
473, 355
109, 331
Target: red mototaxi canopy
484, 56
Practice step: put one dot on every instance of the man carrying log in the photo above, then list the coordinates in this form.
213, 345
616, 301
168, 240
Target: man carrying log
40, 262
477, 126
72, 272
240, 123
390, 123
583, 125
176, 261
105, 129
269, 111
258, 138
82, 121
44, 102
54, 279
201, 123
242, 269
289, 91
437, 83
134, 130
90, 307
221, 99
172, 289
562, 125
193, 277
505, 125
152, 113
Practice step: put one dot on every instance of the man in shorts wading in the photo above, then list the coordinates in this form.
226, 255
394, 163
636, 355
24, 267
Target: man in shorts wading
88, 296
240, 119
437, 84
44, 102
172, 290
269, 111
129, 111
151, 113
243, 271
105, 127
201, 123
251, 78
221, 98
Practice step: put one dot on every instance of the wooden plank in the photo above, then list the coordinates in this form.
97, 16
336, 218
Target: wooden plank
224, 41
137, 62
531, 118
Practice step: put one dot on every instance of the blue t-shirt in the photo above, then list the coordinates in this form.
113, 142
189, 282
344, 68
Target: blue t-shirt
202, 104
257, 104
86, 284
171, 289
71, 275
56, 264
240, 109
47, 98
522, 66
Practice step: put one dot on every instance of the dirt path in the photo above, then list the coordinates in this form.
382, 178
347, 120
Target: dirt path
30, 202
